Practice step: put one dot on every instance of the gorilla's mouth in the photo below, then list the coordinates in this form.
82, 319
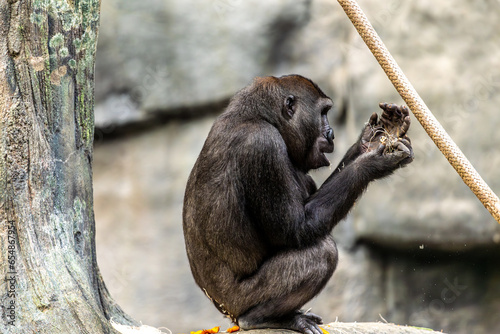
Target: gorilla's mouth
326, 144
317, 154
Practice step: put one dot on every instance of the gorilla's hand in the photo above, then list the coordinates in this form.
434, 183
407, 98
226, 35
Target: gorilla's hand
370, 136
385, 159
384, 144
395, 119
388, 130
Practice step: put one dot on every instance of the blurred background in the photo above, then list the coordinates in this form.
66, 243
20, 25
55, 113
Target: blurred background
417, 249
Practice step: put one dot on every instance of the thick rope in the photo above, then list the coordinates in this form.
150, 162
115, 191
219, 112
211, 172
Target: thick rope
437, 133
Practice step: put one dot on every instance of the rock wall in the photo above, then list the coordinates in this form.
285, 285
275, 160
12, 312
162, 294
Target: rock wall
417, 249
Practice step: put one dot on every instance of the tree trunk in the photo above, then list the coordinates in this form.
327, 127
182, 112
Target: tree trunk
50, 280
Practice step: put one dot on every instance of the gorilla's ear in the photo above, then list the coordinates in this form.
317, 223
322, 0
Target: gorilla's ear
289, 107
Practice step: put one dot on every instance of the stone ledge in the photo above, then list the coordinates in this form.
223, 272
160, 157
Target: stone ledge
332, 328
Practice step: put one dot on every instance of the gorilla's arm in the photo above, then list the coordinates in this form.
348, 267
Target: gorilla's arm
363, 163
336, 196
276, 193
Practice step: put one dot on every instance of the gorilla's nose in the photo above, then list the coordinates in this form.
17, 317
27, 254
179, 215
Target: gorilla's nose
330, 136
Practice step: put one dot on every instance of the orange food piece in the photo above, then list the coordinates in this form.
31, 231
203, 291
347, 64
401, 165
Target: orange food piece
233, 329
324, 330
207, 331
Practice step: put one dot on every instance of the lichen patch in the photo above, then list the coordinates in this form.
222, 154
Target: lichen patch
38, 63
56, 75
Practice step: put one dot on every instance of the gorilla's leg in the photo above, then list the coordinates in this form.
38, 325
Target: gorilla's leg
283, 285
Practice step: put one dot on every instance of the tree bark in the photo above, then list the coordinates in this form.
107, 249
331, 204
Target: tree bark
50, 280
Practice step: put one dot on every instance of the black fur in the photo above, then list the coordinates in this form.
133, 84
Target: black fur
256, 227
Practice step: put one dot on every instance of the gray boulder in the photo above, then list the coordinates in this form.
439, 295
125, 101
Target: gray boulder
178, 56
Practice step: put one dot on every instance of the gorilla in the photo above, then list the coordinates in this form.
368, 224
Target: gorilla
256, 226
